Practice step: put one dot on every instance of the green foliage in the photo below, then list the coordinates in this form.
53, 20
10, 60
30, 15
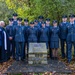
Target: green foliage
4, 11
31, 9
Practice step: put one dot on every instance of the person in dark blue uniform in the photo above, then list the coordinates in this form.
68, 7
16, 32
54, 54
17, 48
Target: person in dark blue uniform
10, 32
54, 45
15, 23
4, 49
36, 25
70, 37
26, 26
19, 40
41, 18
44, 34
49, 26
63, 35
32, 34
48, 23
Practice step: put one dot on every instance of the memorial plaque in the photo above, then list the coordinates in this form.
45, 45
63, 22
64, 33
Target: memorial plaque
37, 53
37, 48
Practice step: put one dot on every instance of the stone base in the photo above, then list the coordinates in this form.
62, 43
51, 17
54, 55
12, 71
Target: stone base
53, 65
37, 58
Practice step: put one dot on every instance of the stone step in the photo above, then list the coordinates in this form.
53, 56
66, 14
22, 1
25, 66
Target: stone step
35, 55
37, 59
39, 62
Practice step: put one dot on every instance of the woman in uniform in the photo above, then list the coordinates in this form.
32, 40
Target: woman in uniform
43, 33
54, 41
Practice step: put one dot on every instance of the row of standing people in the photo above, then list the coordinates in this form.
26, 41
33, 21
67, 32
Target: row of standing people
21, 35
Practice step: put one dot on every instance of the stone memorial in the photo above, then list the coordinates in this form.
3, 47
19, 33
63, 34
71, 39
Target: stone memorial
37, 53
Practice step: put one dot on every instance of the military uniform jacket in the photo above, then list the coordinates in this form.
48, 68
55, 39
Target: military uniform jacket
71, 32
44, 34
32, 34
48, 26
54, 34
10, 31
15, 23
49, 29
19, 33
63, 30
39, 23
37, 26
25, 32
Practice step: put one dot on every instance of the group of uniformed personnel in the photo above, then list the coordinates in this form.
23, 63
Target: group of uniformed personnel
15, 37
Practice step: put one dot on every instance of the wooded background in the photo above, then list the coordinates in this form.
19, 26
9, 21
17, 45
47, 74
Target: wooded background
31, 9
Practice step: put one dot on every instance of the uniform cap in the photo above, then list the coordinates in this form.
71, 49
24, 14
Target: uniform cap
26, 20
64, 16
43, 22
31, 22
71, 16
15, 14
36, 21
19, 19
54, 21
48, 19
40, 17
11, 19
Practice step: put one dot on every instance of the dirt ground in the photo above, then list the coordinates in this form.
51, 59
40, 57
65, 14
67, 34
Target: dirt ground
5, 65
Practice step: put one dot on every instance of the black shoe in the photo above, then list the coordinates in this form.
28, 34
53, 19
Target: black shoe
17, 59
14, 58
63, 57
69, 61
22, 59
53, 58
74, 58
56, 58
